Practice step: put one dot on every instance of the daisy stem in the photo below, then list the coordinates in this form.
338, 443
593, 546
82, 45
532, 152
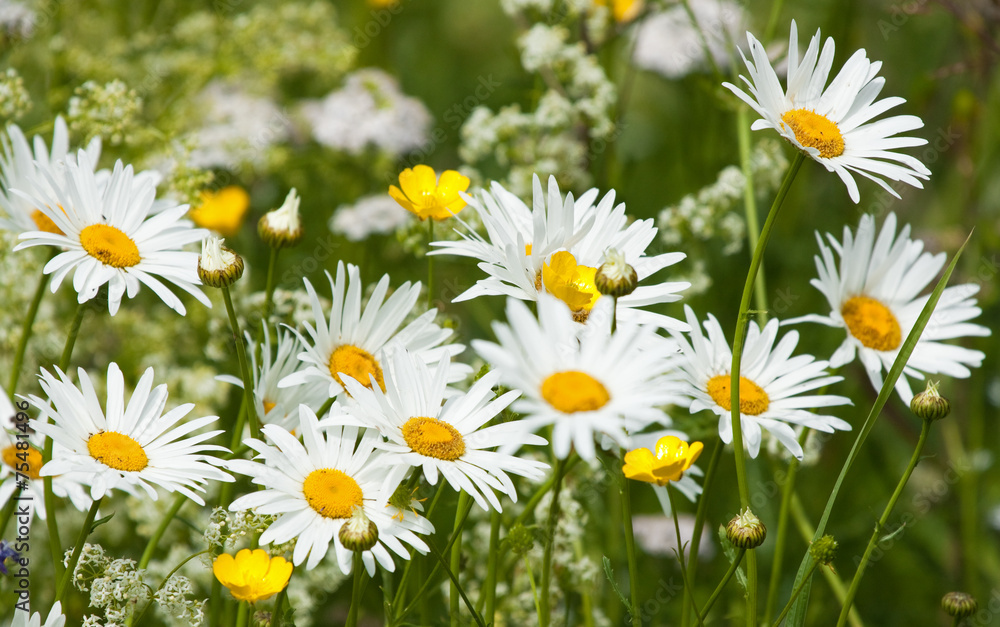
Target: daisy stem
722, 584
352, 615
734, 399
633, 567
279, 603
147, 554
75, 557
26, 329
550, 530
680, 555
456, 557
74, 331
430, 263
491, 567
699, 524
750, 209
859, 573
787, 491
272, 264
241, 354
795, 594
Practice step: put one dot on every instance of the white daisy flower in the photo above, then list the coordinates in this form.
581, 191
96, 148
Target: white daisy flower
108, 236
557, 245
317, 484
873, 290
276, 405
54, 619
584, 384
354, 340
23, 167
833, 123
449, 440
125, 446
20, 463
772, 383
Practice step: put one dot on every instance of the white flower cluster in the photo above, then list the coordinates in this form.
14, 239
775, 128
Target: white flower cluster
15, 100
225, 529
118, 591
708, 213
109, 111
377, 213
17, 20
173, 595
369, 111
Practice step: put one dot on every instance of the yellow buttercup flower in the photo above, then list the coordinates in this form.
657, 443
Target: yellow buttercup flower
426, 196
623, 10
574, 285
222, 211
252, 575
672, 458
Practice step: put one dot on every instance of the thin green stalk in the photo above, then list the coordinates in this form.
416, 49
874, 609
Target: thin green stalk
147, 554
734, 399
400, 595
352, 615
750, 209
795, 595
534, 589
722, 584
430, 264
633, 566
277, 617
455, 582
272, 264
860, 572
699, 524
26, 329
967, 502
243, 614
75, 557
241, 354
772, 20
680, 553
491, 568
550, 530
787, 490
74, 331
456, 557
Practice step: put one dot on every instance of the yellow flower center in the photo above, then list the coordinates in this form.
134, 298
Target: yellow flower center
268, 406
110, 246
571, 391
332, 493
29, 456
45, 223
815, 131
434, 438
571, 283
753, 399
357, 363
117, 451
872, 323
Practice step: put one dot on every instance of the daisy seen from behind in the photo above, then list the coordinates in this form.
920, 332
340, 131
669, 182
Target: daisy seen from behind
774, 385
54, 619
109, 237
833, 123
315, 486
449, 440
583, 384
873, 285
125, 446
556, 246
354, 339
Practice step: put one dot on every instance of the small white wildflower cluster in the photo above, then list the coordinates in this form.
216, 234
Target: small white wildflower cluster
369, 111
108, 110
17, 20
115, 585
173, 598
226, 529
14, 98
708, 213
378, 213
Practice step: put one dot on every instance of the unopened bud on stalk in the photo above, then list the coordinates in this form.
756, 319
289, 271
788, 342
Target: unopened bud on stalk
615, 277
218, 266
358, 533
929, 405
282, 227
746, 531
959, 604
824, 550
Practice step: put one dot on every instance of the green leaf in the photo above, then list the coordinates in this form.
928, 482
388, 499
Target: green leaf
101, 521
610, 574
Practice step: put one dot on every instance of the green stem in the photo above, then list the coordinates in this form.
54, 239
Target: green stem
352, 615
456, 557
795, 594
633, 566
491, 568
241, 353
859, 573
272, 264
75, 557
787, 490
455, 582
550, 530
750, 209
734, 399
147, 554
680, 553
26, 329
279, 603
243, 614
699, 524
430, 263
7, 512
74, 331
133, 619
722, 584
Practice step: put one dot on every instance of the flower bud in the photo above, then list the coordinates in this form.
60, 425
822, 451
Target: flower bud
218, 266
261, 619
520, 540
746, 531
824, 550
929, 405
358, 533
959, 604
615, 277
282, 227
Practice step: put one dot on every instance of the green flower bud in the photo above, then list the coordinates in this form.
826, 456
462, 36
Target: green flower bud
824, 550
282, 227
520, 540
959, 604
929, 405
615, 277
358, 533
746, 531
218, 266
